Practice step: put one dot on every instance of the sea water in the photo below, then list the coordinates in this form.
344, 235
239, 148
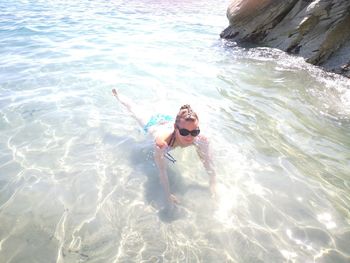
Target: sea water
77, 178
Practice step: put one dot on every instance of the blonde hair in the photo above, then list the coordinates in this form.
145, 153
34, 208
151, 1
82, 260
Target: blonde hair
186, 113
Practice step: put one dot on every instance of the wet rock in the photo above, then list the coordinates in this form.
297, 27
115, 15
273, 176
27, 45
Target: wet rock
318, 30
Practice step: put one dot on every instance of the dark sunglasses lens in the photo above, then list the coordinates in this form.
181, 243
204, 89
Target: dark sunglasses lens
184, 132
194, 133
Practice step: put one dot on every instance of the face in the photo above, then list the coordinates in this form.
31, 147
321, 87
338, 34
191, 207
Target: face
188, 125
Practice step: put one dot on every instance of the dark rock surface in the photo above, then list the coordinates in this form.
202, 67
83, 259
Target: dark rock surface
318, 30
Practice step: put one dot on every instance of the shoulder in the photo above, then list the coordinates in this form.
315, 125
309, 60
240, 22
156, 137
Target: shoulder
201, 143
202, 139
162, 138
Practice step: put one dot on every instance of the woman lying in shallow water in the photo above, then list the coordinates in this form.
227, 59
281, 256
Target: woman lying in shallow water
169, 133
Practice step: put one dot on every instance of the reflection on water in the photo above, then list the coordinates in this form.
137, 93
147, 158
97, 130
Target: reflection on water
77, 177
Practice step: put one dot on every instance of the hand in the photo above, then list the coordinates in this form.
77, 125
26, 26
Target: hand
213, 194
161, 144
173, 199
213, 189
114, 92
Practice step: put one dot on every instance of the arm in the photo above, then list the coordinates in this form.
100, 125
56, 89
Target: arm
159, 158
204, 153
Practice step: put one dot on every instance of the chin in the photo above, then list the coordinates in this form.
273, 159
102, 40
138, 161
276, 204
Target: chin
188, 142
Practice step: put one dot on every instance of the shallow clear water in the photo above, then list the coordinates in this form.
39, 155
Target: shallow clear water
77, 179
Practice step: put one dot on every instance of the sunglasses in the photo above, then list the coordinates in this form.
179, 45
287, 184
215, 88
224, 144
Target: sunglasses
185, 132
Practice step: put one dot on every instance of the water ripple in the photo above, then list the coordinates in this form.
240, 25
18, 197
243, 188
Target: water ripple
77, 180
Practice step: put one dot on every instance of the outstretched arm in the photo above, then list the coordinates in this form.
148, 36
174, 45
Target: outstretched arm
204, 153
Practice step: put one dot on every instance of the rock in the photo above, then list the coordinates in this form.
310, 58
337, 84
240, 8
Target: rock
318, 30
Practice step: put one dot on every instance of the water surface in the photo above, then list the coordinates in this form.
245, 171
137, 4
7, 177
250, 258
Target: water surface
77, 178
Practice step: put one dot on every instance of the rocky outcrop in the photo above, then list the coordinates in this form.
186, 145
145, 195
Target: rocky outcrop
318, 30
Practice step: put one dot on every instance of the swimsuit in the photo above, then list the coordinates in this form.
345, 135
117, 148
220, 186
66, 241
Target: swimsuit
158, 120
171, 144
168, 156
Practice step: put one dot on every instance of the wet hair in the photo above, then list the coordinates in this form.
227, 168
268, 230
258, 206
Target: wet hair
186, 113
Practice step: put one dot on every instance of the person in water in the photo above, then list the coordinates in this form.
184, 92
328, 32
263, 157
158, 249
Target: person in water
169, 133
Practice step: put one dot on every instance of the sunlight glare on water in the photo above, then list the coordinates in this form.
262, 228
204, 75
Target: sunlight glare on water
77, 176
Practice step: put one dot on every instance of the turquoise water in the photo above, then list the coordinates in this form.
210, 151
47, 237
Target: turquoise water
77, 178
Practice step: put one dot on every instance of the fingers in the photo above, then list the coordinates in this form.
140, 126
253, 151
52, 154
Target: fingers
173, 199
213, 191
